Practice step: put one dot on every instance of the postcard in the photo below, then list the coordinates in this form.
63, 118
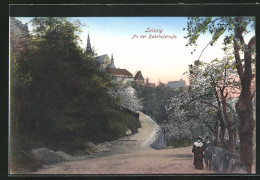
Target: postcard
131, 95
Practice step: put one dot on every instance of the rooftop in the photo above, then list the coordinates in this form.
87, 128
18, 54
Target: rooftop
119, 72
176, 84
138, 76
101, 58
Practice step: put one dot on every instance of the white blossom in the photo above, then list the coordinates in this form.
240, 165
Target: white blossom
128, 97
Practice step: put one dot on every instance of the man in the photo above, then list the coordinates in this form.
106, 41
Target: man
198, 153
208, 152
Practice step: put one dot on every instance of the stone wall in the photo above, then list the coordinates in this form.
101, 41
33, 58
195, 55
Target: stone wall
159, 142
226, 162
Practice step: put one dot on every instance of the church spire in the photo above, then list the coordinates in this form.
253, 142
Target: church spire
89, 49
112, 59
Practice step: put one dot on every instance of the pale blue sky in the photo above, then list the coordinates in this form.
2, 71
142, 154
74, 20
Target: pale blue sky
164, 59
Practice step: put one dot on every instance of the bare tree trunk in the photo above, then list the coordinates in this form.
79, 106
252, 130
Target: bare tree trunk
222, 124
222, 135
229, 127
222, 129
244, 105
245, 111
216, 134
231, 136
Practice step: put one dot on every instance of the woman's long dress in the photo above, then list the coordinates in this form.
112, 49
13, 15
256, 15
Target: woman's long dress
198, 155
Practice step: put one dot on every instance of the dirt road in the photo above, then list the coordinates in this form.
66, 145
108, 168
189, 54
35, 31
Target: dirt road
135, 142
166, 161
131, 155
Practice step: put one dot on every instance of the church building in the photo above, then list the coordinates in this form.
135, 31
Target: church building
107, 65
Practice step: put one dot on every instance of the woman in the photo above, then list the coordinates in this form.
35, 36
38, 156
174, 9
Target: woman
198, 153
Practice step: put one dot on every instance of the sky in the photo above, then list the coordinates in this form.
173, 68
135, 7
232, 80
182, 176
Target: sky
158, 59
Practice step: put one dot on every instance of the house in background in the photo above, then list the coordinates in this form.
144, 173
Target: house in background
139, 77
120, 74
176, 84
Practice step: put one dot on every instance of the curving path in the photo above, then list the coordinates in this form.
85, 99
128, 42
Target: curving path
136, 142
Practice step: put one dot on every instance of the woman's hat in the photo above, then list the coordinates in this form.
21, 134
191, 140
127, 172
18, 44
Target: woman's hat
199, 138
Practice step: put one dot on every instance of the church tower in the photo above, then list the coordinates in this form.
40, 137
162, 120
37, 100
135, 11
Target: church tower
111, 65
89, 49
112, 59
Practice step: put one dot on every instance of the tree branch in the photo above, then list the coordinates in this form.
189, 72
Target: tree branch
204, 49
238, 61
211, 129
252, 42
226, 95
197, 116
215, 83
239, 30
204, 102
225, 72
238, 34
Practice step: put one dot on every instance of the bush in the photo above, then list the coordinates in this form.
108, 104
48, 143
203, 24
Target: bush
133, 123
110, 125
175, 143
21, 158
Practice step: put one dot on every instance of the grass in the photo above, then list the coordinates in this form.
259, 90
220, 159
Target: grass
176, 143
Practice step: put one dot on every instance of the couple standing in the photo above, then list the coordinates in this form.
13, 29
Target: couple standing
201, 150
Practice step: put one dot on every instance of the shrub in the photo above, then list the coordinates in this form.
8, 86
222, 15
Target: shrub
175, 143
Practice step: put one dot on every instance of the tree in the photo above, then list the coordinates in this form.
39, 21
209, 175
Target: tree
219, 79
147, 80
234, 29
19, 37
196, 107
154, 99
127, 96
188, 118
59, 96
206, 100
61, 92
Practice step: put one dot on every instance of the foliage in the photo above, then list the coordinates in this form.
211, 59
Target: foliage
217, 26
126, 96
235, 29
58, 94
155, 99
187, 118
198, 111
22, 160
176, 143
